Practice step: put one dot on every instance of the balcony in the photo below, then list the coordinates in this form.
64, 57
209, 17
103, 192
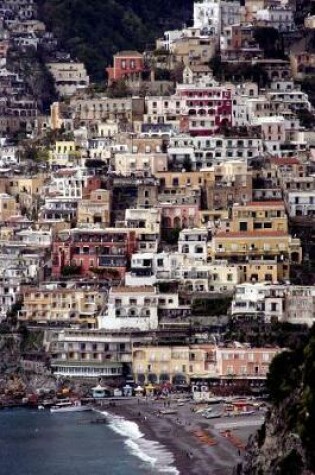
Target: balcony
88, 309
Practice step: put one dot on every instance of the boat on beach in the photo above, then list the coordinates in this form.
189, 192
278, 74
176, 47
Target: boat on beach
69, 406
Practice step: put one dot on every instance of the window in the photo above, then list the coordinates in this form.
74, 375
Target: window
266, 357
243, 226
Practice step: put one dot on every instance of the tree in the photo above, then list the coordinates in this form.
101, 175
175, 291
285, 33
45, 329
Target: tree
119, 89
94, 31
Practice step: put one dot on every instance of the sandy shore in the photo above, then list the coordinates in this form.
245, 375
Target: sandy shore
198, 446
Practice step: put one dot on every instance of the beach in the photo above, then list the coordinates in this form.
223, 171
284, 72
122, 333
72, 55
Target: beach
198, 446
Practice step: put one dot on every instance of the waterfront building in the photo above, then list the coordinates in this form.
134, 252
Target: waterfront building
182, 365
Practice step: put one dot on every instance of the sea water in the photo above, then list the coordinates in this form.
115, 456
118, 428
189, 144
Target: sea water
40, 443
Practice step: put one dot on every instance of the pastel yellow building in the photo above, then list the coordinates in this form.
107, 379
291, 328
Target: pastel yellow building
175, 364
182, 365
255, 245
6, 233
65, 146
187, 179
65, 153
259, 216
96, 209
71, 306
263, 271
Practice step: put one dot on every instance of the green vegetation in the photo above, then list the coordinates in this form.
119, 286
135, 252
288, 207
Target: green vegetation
238, 72
258, 334
34, 153
171, 236
291, 464
94, 30
31, 340
271, 41
210, 307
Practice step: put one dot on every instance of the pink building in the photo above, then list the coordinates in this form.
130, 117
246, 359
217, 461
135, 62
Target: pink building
206, 108
176, 216
244, 363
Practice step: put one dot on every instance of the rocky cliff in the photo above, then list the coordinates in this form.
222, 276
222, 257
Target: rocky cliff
285, 445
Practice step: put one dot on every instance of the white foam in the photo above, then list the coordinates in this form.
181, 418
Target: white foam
149, 451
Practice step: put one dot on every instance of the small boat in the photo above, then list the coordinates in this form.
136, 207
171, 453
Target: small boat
40, 407
69, 406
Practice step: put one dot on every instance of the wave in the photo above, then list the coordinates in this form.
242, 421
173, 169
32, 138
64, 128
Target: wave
149, 451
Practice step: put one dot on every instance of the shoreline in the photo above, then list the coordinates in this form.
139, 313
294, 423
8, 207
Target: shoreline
211, 454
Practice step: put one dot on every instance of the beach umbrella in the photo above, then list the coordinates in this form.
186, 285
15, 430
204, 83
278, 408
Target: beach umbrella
139, 389
150, 387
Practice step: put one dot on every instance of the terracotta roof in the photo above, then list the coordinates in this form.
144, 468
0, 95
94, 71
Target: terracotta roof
285, 161
252, 234
263, 203
140, 289
129, 53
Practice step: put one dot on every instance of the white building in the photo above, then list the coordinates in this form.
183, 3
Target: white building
207, 16
279, 17
169, 39
191, 273
194, 243
131, 308
127, 164
141, 270
258, 301
207, 151
89, 353
301, 203
68, 183
69, 77
300, 305
35, 238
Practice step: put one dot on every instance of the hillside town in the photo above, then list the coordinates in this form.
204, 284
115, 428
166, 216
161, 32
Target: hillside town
159, 229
